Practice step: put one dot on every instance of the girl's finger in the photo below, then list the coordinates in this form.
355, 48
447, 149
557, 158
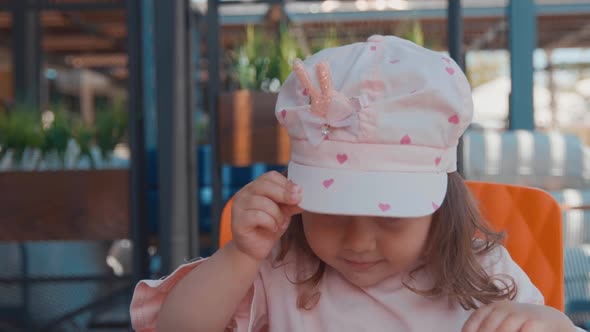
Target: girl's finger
261, 219
288, 194
474, 321
513, 322
494, 319
265, 204
290, 210
276, 177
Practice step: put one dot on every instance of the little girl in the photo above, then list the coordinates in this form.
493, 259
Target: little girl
373, 230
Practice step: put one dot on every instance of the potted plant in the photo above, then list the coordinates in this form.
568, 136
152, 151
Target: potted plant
248, 129
56, 176
20, 131
111, 127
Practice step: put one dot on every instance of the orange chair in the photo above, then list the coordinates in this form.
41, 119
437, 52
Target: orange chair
225, 225
532, 221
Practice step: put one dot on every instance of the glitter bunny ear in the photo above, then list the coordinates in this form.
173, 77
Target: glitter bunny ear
304, 78
320, 100
324, 77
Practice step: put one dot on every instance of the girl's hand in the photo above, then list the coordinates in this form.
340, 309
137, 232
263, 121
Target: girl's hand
261, 213
509, 316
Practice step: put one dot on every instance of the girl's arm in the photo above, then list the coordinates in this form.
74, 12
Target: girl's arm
207, 297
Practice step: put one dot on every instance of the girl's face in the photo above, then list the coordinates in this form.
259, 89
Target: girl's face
366, 250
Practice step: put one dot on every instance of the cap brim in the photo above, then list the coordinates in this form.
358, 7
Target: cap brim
368, 193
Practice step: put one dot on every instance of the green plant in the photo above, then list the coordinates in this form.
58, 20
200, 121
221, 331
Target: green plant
330, 40
243, 72
84, 136
58, 133
261, 60
288, 51
111, 126
253, 60
412, 31
20, 129
24, 127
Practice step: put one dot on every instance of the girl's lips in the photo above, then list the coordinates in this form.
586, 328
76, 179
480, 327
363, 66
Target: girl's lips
361, 265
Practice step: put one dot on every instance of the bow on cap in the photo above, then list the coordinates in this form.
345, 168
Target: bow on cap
330, 110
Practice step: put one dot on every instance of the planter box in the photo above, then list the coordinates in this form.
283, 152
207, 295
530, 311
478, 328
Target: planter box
6, 93
249, 131
64, 205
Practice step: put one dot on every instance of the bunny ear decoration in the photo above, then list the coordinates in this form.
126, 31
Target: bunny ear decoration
304, 78
320, 99
324, 77
329, 111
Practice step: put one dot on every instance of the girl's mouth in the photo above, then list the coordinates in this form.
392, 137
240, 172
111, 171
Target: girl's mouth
361, 265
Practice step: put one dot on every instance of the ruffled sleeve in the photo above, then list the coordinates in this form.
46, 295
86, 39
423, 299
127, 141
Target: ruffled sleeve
149, 295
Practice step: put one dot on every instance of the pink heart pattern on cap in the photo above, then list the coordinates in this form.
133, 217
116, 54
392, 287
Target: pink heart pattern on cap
406, 140
435, 206
342, 158
384, 207
328, 183
454, 119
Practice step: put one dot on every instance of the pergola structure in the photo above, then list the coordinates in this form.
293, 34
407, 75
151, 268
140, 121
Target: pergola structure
92, 34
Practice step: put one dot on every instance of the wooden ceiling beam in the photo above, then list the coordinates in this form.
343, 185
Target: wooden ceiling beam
81, 42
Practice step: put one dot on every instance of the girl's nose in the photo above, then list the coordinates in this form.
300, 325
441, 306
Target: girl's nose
360, 236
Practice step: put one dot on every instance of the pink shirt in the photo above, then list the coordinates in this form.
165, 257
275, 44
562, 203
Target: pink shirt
387, 306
